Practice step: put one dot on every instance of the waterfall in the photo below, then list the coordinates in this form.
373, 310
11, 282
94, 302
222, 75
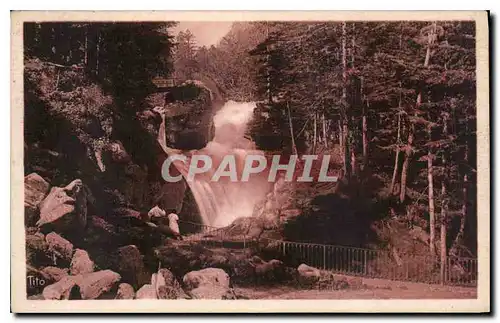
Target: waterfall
221, 202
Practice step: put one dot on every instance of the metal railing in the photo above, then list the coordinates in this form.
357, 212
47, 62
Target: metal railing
379, 263
212, 236
353, 261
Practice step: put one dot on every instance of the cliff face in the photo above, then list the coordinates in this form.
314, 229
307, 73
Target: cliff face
75, 130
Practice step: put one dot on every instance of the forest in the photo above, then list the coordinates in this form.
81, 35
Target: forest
394, 101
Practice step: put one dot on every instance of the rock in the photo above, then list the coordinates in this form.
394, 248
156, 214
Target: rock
166, 285
146, 292
308, 275
59, 290
182, 257
35, 190
188, 115
81, 263
100, 284
65, 208
125, 291
270, 272
128, 262
60, 247
37, 251
208, 283
54, 274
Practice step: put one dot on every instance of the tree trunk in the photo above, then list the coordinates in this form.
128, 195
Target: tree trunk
355, 101
409, 147
443, 234
341, 140
432, 219
294, 147
345, 129
347, 164
364, 129
465, 196
98, 46
325, 139
444, 206
398, 149
314, 133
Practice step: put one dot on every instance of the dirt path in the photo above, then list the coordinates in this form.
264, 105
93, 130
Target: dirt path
371, 289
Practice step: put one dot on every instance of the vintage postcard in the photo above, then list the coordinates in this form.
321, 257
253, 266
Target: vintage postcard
250, 162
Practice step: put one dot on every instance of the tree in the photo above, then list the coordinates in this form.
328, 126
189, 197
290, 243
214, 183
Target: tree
185, 62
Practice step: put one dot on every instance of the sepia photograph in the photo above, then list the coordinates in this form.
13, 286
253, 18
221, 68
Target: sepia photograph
250, 160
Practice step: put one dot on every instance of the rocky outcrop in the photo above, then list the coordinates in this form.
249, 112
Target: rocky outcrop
188, 116
65, 208
35, 190
208, 283
129, 263
125, 291
81, 263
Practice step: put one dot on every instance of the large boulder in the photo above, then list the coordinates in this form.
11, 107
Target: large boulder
208, 283
147, 291
61, 248
129, 263
125, 291
65, 208
166, 285
60, 290
81, 263
188, 116
35, 190
308, 275
100, 284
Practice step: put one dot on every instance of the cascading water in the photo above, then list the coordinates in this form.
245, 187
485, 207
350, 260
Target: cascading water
223, 201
